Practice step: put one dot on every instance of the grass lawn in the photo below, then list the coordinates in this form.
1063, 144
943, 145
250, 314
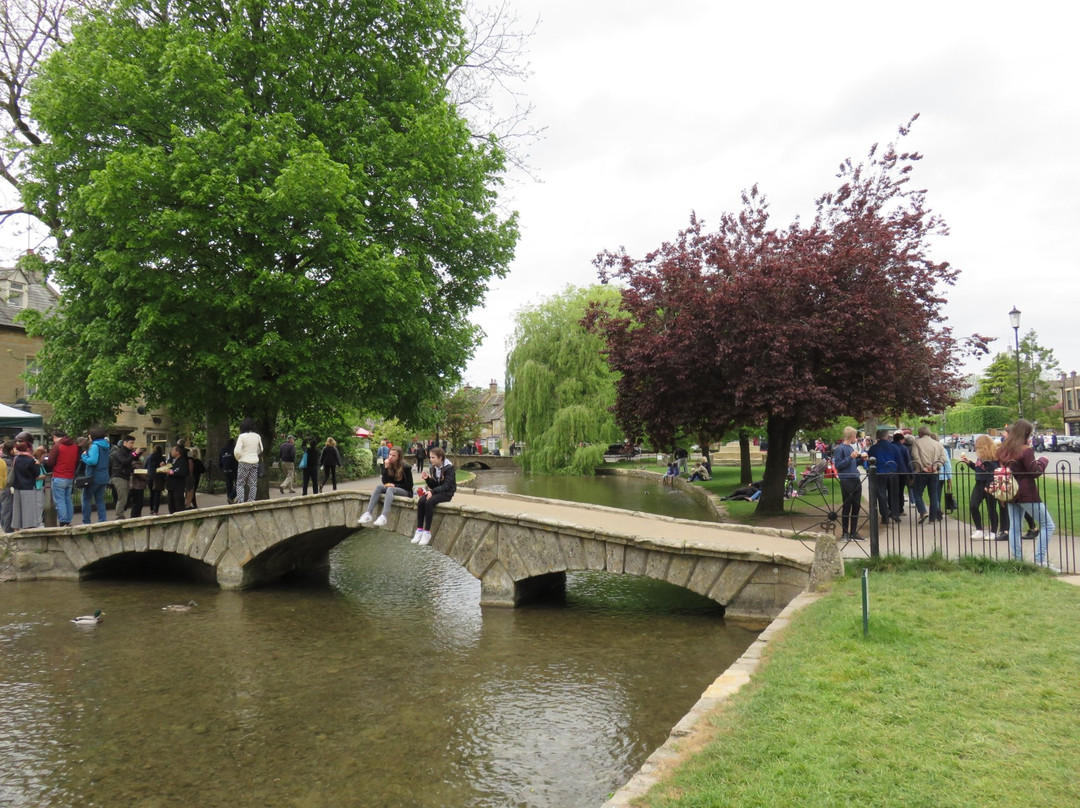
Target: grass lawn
965, 693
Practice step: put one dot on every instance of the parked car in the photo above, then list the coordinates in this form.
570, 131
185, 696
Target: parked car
623, 450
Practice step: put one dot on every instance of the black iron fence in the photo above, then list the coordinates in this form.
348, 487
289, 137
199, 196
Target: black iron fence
966, 527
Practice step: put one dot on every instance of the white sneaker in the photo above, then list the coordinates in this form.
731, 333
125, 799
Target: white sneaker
380, 521
425, 539
365, 517
419, 534
978, 534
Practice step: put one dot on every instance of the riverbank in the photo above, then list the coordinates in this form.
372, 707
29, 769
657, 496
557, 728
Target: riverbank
962, 694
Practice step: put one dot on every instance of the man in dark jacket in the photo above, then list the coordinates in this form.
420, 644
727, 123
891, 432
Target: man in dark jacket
121, 465
890, 463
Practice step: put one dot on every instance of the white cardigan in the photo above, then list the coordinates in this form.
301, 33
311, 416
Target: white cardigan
248, 448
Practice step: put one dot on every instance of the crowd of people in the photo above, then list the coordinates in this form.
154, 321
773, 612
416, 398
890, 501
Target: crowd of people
922, 465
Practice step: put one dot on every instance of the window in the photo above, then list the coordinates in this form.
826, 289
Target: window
31, 374
1068, 399
15, 294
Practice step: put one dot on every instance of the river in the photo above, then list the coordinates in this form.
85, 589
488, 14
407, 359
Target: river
387, 687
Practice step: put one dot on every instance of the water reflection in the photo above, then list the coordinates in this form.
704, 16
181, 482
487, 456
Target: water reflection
387, 688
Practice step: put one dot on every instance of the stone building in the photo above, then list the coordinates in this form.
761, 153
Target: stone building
1070, 403
493, 419
19, 291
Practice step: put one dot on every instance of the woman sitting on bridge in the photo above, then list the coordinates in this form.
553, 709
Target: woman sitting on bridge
396, 481
442, 483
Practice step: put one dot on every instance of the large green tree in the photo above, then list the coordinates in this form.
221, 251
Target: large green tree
559, 387
261, 207
1039, 369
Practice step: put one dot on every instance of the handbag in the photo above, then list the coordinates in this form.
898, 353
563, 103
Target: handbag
1003, 487
82, 478
261, 471
303, 461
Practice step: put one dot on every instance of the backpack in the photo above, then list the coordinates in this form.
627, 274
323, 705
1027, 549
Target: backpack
1003, 487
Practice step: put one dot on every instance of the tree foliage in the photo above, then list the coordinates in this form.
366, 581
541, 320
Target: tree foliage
559, 387
254, 202
790, 327
460, 416
1039, 370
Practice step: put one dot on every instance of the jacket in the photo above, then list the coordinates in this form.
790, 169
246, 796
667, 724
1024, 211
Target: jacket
248, 448
847, 466
406, 481
287, 452
176, 480
63, 459
330, 457
24, 473
121, 462
1027, 469
928, 455
96, 460
445, 479
889, 459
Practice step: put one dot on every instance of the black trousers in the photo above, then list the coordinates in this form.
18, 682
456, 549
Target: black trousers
425, 508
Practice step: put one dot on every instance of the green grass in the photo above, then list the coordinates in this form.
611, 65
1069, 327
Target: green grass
964, 694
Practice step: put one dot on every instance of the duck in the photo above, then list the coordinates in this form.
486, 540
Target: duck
179, 607
89, 619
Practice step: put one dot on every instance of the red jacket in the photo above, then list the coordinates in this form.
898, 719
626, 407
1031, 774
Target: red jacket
63, 458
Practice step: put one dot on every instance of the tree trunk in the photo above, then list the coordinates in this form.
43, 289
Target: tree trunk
781, 432
266, 424
217, 435
746, 475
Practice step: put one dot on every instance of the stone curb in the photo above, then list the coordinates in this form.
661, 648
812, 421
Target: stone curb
726, 685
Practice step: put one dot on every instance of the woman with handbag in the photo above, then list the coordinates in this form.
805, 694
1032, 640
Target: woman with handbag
1016, 455
310, 465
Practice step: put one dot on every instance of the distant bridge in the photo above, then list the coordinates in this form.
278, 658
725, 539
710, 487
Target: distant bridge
483, 461
515, 554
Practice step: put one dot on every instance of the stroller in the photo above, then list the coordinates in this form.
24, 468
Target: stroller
815, 476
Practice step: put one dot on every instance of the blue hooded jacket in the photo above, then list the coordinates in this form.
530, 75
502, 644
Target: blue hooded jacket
96, 460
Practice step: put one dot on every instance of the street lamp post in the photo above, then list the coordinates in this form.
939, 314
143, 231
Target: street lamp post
1014, 321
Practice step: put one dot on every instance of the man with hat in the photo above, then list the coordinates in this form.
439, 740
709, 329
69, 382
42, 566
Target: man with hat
287, 456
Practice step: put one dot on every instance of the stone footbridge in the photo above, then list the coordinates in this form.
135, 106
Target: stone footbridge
517, 547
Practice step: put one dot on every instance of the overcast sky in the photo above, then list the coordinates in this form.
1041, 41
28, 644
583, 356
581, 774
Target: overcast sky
656, 109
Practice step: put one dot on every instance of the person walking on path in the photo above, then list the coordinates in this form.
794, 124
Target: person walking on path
176, 479
248, 450
397, 480
287, 457
155, 481
928, 457
889, 462
96, 461
196, 469
62, 460
121, 466
330, 460
442, 484
846, 459
311, 467
1019, 458
227, 464
139, 484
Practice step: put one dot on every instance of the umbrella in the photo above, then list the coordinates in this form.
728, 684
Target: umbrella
360, 432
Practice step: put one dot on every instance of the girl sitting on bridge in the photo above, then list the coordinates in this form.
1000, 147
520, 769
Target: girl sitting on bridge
442, 483
396, 481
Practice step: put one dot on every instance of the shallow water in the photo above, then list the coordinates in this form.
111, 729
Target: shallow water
387, 687
613, 491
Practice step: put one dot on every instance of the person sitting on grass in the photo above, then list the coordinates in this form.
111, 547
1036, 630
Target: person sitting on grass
699, 473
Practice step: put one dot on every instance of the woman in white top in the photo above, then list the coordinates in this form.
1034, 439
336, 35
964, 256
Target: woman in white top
248, 449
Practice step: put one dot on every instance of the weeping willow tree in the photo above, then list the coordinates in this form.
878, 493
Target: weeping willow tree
559, 388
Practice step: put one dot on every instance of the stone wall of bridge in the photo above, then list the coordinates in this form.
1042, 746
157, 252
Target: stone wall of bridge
516, 556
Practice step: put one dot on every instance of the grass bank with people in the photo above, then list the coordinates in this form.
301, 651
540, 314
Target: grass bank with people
964, 693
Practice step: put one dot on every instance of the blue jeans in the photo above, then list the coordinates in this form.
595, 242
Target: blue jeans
933, 482
388, 500
1038, 512
94, 492
61, 497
